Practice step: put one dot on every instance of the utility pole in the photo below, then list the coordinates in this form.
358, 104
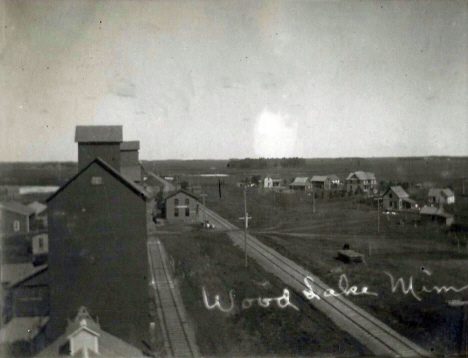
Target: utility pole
246, 217
313, 200
378, 213
204, 219
463, 344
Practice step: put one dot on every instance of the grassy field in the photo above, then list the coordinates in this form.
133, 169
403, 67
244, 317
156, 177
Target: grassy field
209, 260
429, 254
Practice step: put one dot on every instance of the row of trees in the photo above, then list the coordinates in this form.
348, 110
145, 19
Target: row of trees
262, 163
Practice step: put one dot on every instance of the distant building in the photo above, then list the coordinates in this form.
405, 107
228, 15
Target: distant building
301, 184
360, 181
40, 248
440, 196
129, 161
9, 192
195, 190
98, 251
321, 182
14, 218
395, 198
431, 214
84, 337
28, 294
99, 141
40, 215
181, 206
335, 181
272, 182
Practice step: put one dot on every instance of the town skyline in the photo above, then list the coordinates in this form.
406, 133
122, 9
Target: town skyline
211, 80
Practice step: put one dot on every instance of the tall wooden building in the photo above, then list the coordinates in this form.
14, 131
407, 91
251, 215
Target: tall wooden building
129, 161
98, 245
99, 141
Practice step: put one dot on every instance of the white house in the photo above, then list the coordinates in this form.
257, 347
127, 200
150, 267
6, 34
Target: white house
438, 196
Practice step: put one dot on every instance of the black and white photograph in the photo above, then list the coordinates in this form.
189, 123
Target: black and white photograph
233, 178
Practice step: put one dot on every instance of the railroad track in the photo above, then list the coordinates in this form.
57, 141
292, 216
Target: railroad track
179, 340
368, 330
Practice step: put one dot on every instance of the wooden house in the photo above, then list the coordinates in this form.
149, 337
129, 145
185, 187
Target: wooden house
181, 206
396, 198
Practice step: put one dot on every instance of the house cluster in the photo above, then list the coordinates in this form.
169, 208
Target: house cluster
396, 199
357, 182
97, 244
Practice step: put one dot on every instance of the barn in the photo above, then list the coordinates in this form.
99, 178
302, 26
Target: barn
98, 247
181, 206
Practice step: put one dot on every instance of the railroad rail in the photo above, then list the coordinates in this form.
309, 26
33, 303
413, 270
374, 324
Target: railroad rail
179, 340
375, 335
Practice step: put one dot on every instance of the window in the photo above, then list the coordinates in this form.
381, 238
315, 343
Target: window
41, 243
96, 181
390, 195
176, 201
187, 201
16, 225
187, 212
176, 212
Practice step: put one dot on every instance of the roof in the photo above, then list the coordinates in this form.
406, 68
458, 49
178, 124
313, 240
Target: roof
300, 181
408, 200
333, 177
22, 329
399, 191
13, 274
362, 175
37, 207
128, 183
430, 210
439, 192
108, 345
98, 134
181, 191
130, 145
319, 178
16, 207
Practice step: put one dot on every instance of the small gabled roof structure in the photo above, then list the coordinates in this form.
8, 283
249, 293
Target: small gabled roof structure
130, 145
432, 210
15, 274
399, 191
362, 175
300, 181
22, 329
107, 344
319, 178
16, 207
98, 134
181, 191
441, 192
38, 207
128, 183
333, 177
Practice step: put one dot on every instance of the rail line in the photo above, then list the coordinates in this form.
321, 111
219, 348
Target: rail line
179, 341
371, 332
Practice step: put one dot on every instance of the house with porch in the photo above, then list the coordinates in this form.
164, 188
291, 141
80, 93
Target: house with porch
301, 184
361, 181
396, 198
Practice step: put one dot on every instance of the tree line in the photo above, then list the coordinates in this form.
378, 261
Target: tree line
262, 163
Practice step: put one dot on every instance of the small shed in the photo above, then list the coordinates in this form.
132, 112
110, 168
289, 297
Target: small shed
432, 214
301, 184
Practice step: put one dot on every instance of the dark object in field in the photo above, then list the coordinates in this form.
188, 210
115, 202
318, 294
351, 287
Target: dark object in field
350, 256
346, 247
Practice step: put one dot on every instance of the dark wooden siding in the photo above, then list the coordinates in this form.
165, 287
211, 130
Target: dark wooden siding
98, 256
7, 219
109, 152
171, 207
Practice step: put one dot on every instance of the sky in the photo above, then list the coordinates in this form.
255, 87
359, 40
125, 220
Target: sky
235, 79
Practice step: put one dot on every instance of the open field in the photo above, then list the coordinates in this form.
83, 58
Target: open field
209, 260
286, 222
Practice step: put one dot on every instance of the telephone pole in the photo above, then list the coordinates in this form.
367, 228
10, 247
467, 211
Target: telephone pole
378, 213
246, 217
204, 219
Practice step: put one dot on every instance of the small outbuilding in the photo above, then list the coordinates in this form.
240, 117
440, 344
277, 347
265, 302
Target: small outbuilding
181, 206
301, 184
438, 196
322, 182
432, 214
14, 218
